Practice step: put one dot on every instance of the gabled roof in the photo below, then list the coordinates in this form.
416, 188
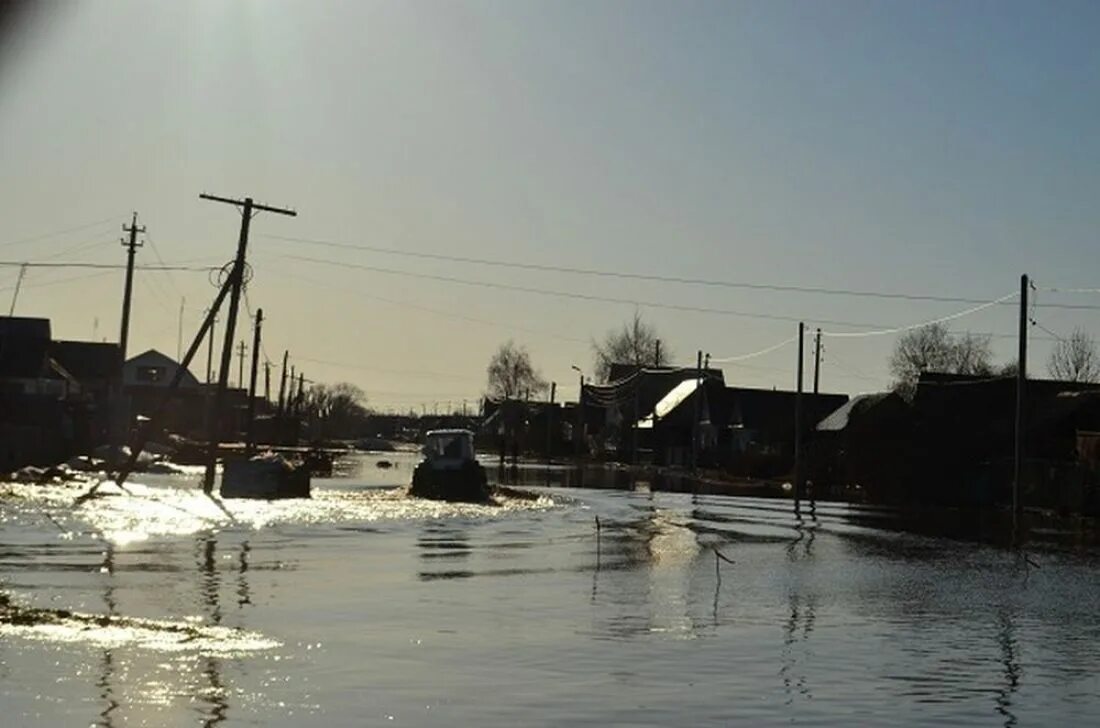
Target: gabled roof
840, 418
152, 357
676, 396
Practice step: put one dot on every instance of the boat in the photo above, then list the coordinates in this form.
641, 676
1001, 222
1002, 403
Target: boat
269, 476
449, 470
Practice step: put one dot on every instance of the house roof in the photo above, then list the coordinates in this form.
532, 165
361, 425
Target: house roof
87, 360
152, 357
673, 399
841, 417
21, 326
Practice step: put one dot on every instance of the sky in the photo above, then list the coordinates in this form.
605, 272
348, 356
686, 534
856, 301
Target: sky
927, 148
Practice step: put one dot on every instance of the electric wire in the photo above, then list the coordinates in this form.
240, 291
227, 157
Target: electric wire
910, 327
629, 276
782, 288
753, 355
57, 233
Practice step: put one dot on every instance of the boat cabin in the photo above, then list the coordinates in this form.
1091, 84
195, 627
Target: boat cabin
449, 446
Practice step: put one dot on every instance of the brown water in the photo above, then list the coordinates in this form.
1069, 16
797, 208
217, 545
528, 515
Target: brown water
365, 607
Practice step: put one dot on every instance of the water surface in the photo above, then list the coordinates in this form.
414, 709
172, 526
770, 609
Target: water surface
365, 607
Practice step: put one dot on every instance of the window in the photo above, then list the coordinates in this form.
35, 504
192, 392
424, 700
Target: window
152, 375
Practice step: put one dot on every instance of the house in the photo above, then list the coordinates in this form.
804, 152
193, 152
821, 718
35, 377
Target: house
146, 379
54, 395
863, 448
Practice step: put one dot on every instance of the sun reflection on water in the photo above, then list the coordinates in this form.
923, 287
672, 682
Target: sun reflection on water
139, 512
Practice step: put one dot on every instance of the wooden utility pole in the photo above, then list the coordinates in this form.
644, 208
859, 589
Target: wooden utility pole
241, 349
695, 416
236, 283
251, 442
179, 330
267, 381
301, 394
817, 360
128, 289
18, 285
657, 353
210, 351
119, 415
1021, 409
798, 474
578, 434
550, 424
282, 386
290, 392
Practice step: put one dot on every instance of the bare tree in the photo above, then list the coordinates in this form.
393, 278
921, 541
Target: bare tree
511, 374
335, 410
932, 348
635, 343
1075, 359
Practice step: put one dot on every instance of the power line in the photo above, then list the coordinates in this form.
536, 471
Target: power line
438, 312
406, 372
753, 355
564, 294
56, 233
776, 287
107, 266
910, 327
630, 276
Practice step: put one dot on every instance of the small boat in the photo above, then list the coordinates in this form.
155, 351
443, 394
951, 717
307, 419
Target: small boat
449, 470
269, 476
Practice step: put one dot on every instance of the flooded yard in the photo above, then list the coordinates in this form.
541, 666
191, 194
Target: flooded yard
365, 607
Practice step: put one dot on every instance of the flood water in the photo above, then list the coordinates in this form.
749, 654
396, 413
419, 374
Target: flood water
365, 607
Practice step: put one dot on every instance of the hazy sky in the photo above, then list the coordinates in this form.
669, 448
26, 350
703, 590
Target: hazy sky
938, 148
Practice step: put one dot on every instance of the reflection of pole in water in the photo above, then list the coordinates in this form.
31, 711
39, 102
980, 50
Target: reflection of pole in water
1006, 640
210, 582
243, 593
211, 587
107, 674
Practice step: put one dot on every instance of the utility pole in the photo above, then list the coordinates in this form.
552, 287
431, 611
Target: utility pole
695, 416
236, 281
282, 386
550, 424
118, 414
798, 474
210, 351
128, 290
179, 330
290, 393
241, 348
267, 382
578, 435
1021, 409
301, 394
817, 360
251, 442
657, 353
18, 284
